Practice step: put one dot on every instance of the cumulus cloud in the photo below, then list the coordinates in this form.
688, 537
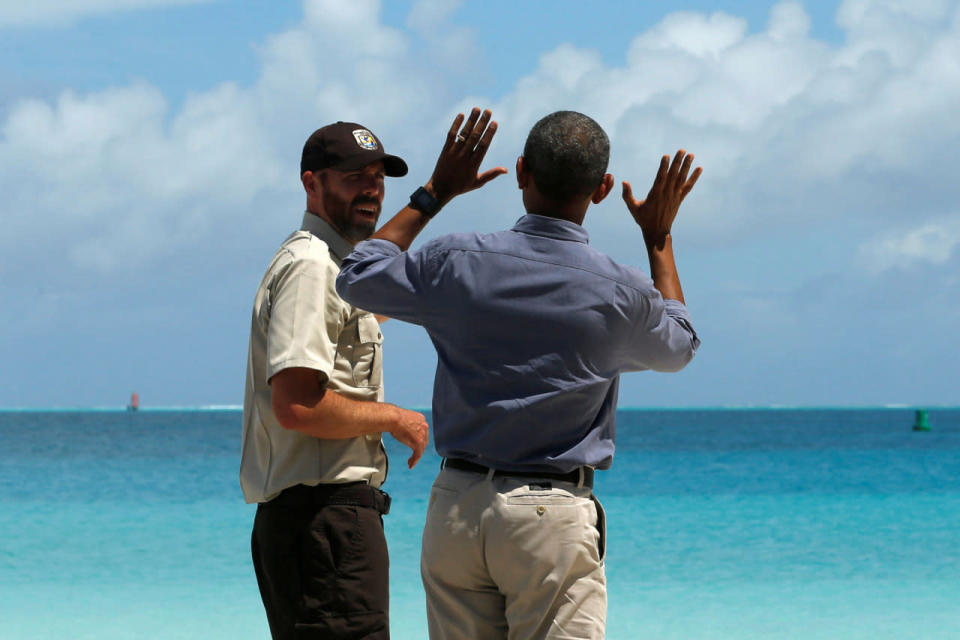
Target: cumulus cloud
449, 45
792, 131
798, 137
116, 181
341, 62
431, 14
932, 243
57, 13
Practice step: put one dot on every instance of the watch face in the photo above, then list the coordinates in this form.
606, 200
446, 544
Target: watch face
422, 200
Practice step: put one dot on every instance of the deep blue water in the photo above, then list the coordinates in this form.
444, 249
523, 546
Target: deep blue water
826, 523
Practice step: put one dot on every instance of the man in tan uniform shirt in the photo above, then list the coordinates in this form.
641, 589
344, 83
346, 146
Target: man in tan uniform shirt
312, 456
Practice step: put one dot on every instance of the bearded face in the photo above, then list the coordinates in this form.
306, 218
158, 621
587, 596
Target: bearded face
351, 200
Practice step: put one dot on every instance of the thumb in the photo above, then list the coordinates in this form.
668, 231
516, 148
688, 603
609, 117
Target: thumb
487, 176
414, 459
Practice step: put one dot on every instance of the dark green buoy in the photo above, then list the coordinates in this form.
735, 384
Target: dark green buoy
921, 422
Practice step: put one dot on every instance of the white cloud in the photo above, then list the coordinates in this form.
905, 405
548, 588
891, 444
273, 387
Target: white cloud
108, 177
932, 243
691, 33
788, 20
57, 13
351, 29
450, 46
431, 14
791, 131
798, 137
341, 63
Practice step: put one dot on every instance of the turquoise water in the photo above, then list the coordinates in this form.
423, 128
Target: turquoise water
722, 524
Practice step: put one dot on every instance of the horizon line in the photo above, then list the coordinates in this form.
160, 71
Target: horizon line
732, 407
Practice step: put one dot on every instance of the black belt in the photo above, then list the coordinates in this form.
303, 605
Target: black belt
355, 494
574, 476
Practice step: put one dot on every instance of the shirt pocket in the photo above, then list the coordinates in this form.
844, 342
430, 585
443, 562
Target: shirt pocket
367, 361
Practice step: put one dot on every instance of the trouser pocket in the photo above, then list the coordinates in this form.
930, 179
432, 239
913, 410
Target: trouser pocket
601, 526
345, 579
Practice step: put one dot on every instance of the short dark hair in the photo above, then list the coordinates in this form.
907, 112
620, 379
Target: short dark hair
566, 154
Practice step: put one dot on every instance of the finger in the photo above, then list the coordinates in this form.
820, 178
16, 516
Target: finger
478, 129
471, 121
692, 181
685, 169
413, 460
675, 165
484, 143
661, 178
415, 457
487, 176
452, 133
628, 194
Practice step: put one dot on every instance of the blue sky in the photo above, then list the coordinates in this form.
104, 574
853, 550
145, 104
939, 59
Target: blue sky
149, 149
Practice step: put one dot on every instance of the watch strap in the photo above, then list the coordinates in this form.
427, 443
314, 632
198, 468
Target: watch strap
424, 202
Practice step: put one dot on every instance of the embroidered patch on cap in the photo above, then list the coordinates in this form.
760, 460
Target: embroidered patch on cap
365, 139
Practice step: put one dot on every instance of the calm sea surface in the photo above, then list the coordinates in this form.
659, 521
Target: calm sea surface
739, 524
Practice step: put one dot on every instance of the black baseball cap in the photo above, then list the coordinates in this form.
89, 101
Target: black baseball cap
347, 146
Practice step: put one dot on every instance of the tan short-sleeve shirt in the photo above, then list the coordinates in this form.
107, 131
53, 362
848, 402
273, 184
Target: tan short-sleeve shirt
300, 321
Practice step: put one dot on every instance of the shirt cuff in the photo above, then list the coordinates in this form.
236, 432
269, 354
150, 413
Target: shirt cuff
676, 309
376, 246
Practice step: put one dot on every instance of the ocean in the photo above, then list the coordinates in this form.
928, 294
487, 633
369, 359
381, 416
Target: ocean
722, 523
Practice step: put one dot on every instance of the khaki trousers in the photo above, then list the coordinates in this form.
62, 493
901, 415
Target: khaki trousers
515, 558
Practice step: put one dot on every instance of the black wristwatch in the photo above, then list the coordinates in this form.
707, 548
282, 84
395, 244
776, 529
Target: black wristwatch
424, 202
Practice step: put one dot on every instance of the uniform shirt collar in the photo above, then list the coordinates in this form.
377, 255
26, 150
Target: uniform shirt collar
319, 227
555, 228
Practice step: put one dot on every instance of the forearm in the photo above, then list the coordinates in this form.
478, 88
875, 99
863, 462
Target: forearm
404, 227
301, 404
663, 267
335, 417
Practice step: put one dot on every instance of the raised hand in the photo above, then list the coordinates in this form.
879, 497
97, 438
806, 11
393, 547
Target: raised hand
656, 213
457, 167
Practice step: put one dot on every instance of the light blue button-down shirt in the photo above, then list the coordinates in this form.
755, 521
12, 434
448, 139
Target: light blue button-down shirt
532, 329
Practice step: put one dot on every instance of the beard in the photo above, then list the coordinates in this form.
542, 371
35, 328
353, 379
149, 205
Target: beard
352, 225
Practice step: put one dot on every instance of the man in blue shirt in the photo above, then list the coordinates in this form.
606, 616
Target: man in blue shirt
532, 329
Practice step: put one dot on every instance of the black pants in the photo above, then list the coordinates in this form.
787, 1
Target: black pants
321, 561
